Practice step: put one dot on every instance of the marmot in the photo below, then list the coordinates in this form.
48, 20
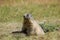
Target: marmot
30, 26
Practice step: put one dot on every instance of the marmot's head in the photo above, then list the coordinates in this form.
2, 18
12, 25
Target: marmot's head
27, 16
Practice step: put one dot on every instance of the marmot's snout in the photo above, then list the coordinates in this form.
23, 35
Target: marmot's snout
27, 16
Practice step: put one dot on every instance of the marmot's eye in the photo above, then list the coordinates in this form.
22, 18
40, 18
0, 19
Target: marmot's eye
29, 15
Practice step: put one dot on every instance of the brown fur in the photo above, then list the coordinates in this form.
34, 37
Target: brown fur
31, 27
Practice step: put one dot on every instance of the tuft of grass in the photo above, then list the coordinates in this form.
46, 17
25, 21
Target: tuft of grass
50, 27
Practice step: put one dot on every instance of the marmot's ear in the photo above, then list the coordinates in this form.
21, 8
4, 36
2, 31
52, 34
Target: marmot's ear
24, 15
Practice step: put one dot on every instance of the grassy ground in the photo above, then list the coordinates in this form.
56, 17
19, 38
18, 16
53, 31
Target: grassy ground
11, 17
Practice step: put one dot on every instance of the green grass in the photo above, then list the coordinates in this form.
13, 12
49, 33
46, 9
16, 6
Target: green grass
11, 18
9, 13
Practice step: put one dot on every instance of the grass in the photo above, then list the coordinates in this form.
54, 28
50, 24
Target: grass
42, 11
11, 18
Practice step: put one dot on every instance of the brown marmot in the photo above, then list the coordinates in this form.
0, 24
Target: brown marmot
30, 26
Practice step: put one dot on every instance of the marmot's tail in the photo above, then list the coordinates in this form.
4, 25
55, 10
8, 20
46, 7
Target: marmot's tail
16, 32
